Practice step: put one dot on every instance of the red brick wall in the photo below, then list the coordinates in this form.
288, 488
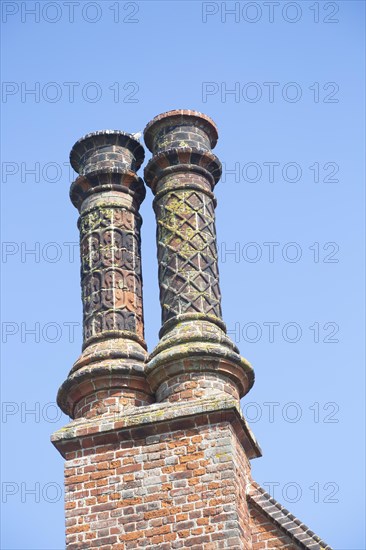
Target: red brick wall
184, 489
265, 534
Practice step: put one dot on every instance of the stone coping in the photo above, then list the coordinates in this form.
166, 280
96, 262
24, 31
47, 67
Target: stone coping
151, 420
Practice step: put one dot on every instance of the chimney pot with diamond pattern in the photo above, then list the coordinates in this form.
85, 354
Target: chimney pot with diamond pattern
195, 357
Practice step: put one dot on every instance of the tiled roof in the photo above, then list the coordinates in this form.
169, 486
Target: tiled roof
293, 527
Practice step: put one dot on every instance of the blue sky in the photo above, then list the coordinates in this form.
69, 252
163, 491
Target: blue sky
284, 82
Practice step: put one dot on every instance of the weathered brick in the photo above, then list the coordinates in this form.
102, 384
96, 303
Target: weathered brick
157, 456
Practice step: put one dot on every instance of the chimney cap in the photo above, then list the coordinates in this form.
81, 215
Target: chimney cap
180, 116
105, 137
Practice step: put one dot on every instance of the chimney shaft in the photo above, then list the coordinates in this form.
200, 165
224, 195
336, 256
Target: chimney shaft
108, 193
184, 207
194, 357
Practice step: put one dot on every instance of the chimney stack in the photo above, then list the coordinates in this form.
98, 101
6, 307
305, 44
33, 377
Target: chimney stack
174, 473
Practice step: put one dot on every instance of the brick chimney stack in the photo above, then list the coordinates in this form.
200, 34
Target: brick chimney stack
109, 374
157, 452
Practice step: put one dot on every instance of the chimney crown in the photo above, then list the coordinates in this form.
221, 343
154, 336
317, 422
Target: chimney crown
112, 149
174, 129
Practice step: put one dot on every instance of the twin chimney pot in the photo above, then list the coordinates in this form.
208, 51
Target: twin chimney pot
194, 357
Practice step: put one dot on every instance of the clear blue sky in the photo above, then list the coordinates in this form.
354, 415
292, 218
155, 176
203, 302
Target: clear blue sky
293, 131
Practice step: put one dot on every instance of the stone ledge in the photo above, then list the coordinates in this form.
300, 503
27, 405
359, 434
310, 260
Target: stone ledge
151, 420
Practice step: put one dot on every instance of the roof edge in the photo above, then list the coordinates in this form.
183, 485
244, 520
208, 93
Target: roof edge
287, 522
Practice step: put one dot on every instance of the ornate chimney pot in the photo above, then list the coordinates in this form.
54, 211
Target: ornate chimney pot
194, 358
109, 374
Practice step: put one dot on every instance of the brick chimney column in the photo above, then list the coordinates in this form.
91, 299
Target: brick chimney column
109, 374
195, 357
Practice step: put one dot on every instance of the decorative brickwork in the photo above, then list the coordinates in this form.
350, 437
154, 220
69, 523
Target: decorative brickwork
157, 454
110, 372
193, 345
187, 255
